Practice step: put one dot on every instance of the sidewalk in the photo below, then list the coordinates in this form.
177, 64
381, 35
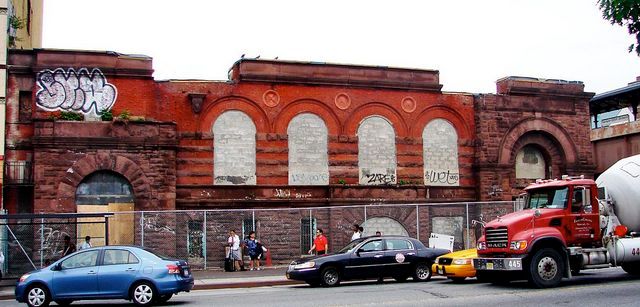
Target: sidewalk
210, 279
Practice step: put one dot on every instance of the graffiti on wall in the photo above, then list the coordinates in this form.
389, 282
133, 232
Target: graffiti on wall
79, 91
441, 177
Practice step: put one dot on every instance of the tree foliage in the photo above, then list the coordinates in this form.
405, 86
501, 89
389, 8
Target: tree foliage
625, 13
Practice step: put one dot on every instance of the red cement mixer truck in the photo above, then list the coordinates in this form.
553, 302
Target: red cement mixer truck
565, 226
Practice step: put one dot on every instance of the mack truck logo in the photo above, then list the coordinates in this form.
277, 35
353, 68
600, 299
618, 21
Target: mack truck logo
497, 245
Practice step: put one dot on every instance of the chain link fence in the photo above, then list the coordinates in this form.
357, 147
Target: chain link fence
201, 236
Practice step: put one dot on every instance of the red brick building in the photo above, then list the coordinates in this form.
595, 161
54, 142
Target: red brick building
278, 134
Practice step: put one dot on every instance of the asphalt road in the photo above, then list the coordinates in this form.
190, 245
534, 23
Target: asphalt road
608, 287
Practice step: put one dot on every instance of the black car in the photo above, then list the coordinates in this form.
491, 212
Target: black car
371, 257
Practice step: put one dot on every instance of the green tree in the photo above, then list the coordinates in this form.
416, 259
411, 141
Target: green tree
624, 13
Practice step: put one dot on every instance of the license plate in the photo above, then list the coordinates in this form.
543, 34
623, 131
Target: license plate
185, 272
489, 266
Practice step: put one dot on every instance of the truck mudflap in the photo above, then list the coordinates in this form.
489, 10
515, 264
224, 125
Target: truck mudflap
498, 264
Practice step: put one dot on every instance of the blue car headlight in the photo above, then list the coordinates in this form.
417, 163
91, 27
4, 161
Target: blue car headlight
24, 277
304, 265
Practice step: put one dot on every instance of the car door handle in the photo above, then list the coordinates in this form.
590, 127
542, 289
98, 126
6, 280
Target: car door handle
130, 269
377, 256
410, 254
92, 273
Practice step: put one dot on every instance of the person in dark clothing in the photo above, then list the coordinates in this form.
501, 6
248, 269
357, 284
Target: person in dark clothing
69, 247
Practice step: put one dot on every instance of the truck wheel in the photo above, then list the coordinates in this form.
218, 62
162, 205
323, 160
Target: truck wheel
632, 268
545, 268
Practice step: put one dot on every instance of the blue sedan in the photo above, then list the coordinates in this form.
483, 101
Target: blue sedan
107, 272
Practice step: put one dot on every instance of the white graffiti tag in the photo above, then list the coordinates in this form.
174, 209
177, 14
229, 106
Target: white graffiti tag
79, 91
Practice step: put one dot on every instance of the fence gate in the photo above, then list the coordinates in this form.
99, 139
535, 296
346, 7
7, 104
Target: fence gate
31, 241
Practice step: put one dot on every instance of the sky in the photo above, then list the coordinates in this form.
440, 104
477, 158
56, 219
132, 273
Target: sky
472, 43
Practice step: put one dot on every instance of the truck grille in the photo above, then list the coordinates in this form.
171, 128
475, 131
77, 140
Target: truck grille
497, 237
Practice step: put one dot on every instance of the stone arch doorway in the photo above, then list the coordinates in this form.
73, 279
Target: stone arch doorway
106, 191
386, 225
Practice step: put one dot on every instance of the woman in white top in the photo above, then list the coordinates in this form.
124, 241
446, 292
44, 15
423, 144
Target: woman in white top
357, 232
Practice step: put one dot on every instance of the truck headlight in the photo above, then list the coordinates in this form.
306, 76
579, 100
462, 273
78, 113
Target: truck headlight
518, 245
461, 261
304, 265
481, 245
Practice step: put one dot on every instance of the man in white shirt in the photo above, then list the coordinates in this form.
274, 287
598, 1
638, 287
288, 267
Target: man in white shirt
86, 244
234, 243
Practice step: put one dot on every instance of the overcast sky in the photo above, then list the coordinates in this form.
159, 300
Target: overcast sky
472, 43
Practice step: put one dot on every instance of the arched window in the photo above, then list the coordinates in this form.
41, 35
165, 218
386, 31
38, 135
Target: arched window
308, 160
376, 151
234, 149
440, 153
103, 188
530, 163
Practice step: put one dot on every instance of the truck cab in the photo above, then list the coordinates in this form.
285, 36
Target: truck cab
557, 216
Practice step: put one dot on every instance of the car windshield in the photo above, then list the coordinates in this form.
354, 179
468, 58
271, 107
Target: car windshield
350, 246
552, 198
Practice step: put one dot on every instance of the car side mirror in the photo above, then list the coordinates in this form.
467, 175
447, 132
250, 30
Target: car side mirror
57, 267
359, 251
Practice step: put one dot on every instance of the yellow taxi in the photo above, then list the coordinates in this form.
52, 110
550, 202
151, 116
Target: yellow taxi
457, 265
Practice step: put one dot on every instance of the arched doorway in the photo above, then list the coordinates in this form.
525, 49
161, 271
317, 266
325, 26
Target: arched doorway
385, 225
106, 191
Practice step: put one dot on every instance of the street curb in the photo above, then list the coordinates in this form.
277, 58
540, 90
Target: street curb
246, 284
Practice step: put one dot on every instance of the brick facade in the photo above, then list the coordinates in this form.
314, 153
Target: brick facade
170, 156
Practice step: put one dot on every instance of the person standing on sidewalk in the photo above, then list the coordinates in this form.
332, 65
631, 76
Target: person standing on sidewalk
320, 243
234, 244
86, 244
255, 251
357, 233
69, 248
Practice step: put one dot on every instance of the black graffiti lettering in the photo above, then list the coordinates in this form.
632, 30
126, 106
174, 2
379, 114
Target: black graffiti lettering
442, 177
380, 178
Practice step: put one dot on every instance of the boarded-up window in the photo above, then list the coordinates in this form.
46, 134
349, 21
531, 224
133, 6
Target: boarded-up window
308, 161
530, 163
234, 149
376, 152
440, 150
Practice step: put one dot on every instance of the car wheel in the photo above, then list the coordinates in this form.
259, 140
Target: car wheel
164, 298
63, 302
422, 272
457, 279
400, 278
38, 296
545, 268
330, 276
143, 294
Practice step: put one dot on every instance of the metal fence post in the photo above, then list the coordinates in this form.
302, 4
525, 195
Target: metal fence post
142, 228
466, 244
41, 241
417, 223
311, 224
204, 239
365, 213
253, 220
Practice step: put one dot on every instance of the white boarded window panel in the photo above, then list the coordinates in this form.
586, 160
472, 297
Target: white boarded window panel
530, 163
234, 149
376, 152
308, 160
440, 150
